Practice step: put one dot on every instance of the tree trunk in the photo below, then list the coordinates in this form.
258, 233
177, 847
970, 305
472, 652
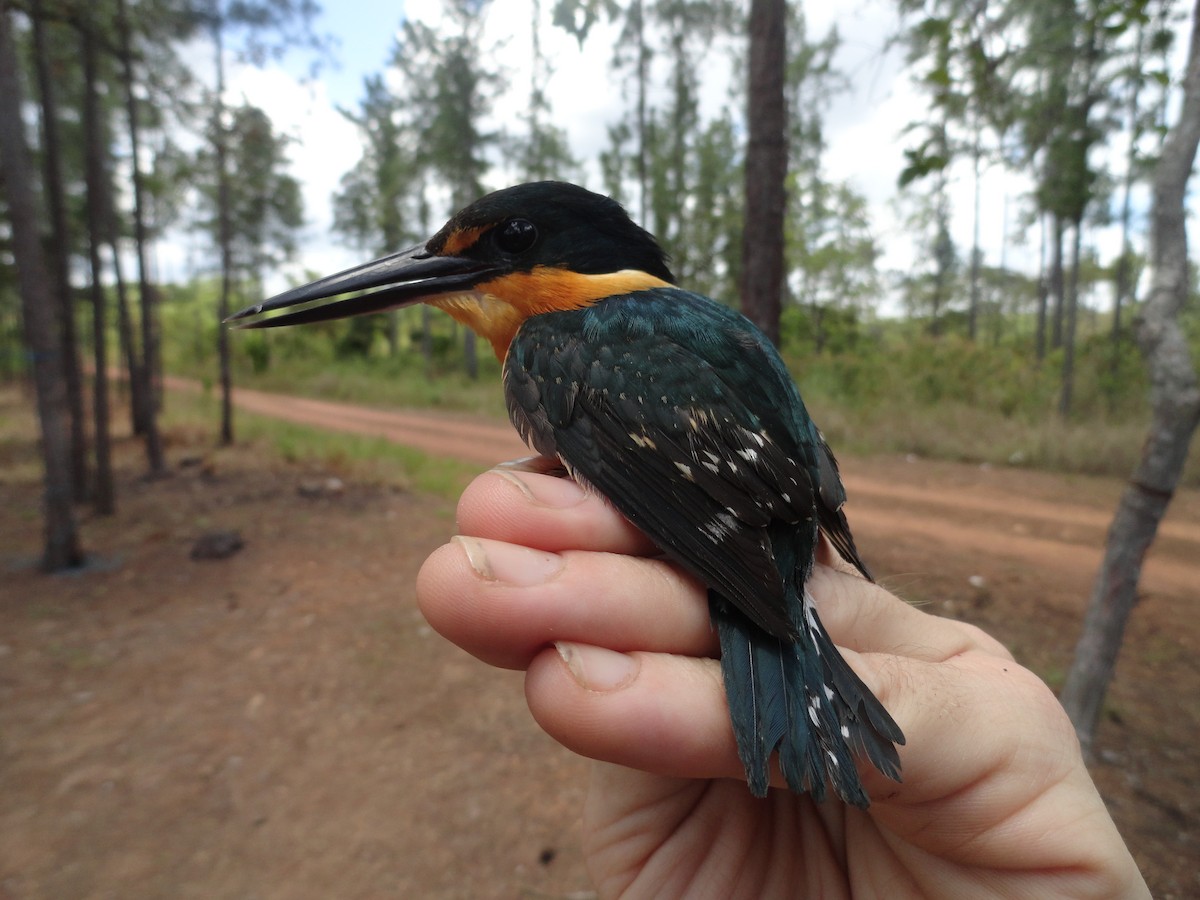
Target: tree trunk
766, 168
1123, 286
150, 365
471, 354
60, 254
225, 229
103, 500
642, 74
427, 340
1043, 295
393, 333
1175, 405
1056, 281
976, 252
39, 308
1071, 301
125, 335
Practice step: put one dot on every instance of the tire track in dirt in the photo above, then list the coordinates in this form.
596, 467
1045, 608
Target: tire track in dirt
964, 519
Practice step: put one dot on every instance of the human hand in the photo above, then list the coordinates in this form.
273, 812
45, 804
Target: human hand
620, 667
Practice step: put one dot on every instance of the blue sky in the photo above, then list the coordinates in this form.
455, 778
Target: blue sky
365, 33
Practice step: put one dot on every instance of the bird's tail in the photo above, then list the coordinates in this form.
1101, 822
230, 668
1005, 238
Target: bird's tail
801, 698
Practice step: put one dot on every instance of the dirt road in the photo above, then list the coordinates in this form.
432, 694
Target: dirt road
283, 724
1005, 514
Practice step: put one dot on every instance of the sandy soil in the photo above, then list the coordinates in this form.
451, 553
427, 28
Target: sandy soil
282, 724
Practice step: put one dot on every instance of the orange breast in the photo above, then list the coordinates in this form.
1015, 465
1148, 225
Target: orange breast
495, 309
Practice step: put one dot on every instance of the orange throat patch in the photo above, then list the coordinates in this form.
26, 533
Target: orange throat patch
496, 309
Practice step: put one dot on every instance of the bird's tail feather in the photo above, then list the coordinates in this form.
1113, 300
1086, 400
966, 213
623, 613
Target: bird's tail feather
801, 698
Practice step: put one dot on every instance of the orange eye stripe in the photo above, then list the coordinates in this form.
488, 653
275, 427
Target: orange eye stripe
460, 240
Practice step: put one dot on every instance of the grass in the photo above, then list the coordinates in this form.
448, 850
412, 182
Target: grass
962, 433
948, 428
383, 381
896, 394
365, 459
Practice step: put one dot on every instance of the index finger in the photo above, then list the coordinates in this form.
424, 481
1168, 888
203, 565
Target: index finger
547, 513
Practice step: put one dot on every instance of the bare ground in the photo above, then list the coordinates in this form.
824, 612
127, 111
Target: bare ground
282, 724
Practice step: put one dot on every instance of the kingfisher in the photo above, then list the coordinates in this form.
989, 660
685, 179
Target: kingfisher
681, 413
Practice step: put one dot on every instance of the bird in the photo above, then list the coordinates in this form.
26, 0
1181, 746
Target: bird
682, 414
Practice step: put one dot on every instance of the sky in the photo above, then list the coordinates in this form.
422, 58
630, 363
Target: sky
864, 125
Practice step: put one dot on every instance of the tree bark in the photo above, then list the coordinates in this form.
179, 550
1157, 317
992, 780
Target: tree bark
1071, 300
103, 498
145, 395
40, 309
1123, 286
125, 342
1057, 280
637, 13
60, 255
976, 251
766, 168
225, 227
1043, 294
1175, 405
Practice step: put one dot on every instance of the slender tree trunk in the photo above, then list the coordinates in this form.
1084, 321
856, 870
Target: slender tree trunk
941, 274
392, 332
471, 353
999, 311
1043, 295
1057, 280
40, 309
1175, 406
426, 312
427, 340
1123, 287
60, 255
1071, 301
225, 228
125, 333
149, 371
638, 14
103, 500
976, 252
766, 168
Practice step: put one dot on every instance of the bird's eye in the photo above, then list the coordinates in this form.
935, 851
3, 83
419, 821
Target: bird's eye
516, 235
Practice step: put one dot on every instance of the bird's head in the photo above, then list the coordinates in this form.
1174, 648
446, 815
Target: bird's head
526, 250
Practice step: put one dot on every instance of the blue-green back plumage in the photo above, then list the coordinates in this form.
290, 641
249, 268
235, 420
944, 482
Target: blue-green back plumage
683, 415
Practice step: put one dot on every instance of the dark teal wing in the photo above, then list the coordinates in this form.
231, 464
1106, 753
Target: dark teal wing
679, 413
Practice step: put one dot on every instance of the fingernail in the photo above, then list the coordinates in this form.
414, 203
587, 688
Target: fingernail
509, 563
597, 668
558, 493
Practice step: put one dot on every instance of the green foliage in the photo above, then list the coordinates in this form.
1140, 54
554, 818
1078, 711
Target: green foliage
258, 351
902, 366
395, 382
891, 388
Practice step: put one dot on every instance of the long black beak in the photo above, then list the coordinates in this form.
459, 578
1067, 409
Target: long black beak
406, 277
